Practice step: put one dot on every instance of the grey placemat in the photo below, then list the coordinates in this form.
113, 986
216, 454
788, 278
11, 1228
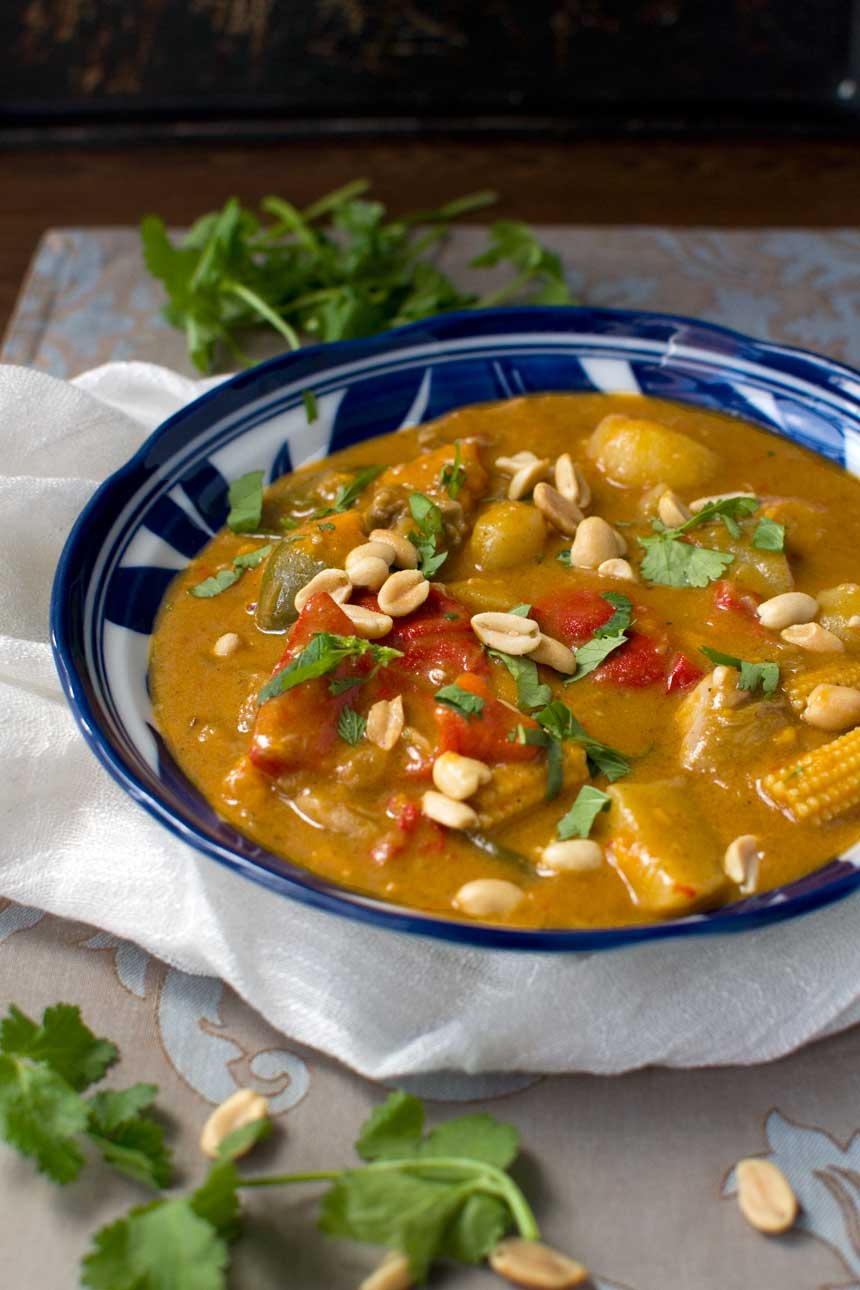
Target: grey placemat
626, 1173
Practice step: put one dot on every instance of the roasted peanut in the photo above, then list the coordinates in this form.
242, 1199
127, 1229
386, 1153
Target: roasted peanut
226, 645
833, 707
765, 1196
672, 511
459, 777
741, 862
506, 632
618, 568
405, 555
812, 637
526, 477
786, 610
557, 510
577, 855
385, 720
403, 592
536, 1266
510, 465
484, 897
393, 1273
553, 653
367, 622
595, 542
370, 572
241, 1108
379, 548
335, 582
570, 481
448, 811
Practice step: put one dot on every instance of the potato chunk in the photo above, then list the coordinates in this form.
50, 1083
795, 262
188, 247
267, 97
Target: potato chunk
507, 533
637, 453
664, 849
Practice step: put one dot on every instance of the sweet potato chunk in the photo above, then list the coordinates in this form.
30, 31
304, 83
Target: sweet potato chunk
664, 849
636, 453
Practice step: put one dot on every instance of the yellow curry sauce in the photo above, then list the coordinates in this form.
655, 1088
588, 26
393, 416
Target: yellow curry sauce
709, 762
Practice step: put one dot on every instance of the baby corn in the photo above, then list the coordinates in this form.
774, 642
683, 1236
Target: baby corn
820, 785
800, 686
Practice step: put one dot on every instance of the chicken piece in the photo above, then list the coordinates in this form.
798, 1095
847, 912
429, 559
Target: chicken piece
722, 727
664, 848
387, 504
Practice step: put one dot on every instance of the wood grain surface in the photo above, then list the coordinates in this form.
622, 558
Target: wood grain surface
644, 182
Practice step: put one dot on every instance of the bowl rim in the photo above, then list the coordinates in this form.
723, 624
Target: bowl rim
286, 877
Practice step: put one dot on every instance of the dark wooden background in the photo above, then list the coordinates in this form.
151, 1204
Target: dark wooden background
309, 66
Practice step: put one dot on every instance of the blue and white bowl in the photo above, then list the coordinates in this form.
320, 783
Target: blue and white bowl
151, 517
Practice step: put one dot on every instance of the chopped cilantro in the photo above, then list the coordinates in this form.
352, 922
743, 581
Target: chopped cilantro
670, 562
339, 685
428, 517
311, 409
325, 528
752, 675
769, 535
531, 692
522, 611
563, 556
605, 639
325, 652
351, 726
453, 476
560, 723
225, 578
246, 503
578, 821
463, 702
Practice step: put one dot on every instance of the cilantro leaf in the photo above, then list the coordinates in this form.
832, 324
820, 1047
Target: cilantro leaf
480, 1137
339, 685
351, 726
522, 611
251, 559
165, 1245
621, 618
348, 494
563, 556
246, 502
463, 702
431, 527
311, 409
132, 1143
61, 1042
41, 1115
392, 1129
554, 769
213, 586
769, 535
242, 1139
578, 821
453, 476
325, 652
560, 723
752, 675
476, 1230
590, 655
673, 563
531, 692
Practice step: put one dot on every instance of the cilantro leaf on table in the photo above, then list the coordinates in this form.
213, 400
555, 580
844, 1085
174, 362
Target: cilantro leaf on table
131, 1142
246, 502
463, 702
41, 1116
392, 1129
579, 820
351, 726
336, 270
479, 1136
325, 652
752, 675
769, 535
62, 1042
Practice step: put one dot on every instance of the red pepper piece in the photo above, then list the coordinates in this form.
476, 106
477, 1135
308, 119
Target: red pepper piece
486, 736
573, 616
641, 662
729, 596
683, 673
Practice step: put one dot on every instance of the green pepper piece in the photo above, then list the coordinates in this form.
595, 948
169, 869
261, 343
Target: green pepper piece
288, 569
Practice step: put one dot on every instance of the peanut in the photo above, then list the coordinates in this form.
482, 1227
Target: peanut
459, 777
833, 707
577, 855
526, 477
536, 1266
333, 581
812, 637
367, 622
403, 592
510, 465
393, 1273
385, 721
553, 653
595, 542
447, 811
484, 897
370, 572
672, 511
508, 633
226, 645
618, 568
570, 481
562, 514
787, 609
405, 555
241, 1108
765, 1196
741, 862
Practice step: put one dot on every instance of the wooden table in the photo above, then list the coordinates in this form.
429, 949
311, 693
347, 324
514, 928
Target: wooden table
647, 182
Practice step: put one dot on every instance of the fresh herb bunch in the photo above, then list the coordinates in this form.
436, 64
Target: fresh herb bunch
333, 271
446, 1193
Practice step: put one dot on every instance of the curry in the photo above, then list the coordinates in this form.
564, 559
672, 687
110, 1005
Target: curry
561, 661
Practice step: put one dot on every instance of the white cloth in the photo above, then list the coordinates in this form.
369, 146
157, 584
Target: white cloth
387, 1004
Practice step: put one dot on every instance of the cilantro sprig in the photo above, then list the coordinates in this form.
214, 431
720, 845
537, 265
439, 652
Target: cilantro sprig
670, 562
225, 578
325, 652
336, 270
531, 691
453, 476
579, 820
348, 494
752, 675
431, 527
606, 639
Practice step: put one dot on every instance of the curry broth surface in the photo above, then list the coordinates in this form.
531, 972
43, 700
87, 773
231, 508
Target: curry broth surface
205, 705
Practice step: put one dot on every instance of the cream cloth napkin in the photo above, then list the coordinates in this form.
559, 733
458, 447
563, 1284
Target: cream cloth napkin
385, 1003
